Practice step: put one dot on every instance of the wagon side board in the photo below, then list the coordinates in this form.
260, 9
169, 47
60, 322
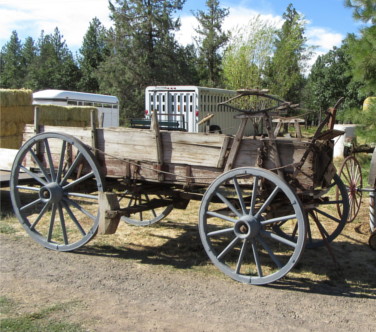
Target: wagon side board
193, 158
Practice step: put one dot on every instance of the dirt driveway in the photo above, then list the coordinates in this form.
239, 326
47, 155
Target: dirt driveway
111, 292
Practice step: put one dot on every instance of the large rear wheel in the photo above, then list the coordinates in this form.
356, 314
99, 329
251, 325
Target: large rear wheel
236, 221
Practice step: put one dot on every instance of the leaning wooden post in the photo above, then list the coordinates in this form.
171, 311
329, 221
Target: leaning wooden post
273, 144
236, 142
154, 126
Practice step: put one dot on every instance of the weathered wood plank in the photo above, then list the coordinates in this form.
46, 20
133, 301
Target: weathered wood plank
236, 144
132, 153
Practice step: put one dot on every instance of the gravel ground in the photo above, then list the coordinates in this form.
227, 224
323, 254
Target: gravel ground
111, 292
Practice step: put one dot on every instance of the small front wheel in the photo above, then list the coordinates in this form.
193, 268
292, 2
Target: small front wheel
237, 215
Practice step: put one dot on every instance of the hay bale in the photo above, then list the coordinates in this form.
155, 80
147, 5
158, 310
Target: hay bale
22, 114
15, 111
70, 116
8, 128
11, 142
10, 97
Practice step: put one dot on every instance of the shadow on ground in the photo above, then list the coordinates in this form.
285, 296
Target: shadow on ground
354, 275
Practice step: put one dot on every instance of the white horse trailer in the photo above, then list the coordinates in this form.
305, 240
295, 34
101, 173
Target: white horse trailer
107, 105
187, 105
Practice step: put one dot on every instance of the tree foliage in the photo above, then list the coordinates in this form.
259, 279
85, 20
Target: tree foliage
362, 52
286, 67
54, 65
364, 10
93, 52
143, 50
210, 41
11, 72
247, 54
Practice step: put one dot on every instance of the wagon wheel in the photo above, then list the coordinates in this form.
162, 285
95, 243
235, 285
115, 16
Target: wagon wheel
58, 207
143, 217
351, 175
325, 223
236, 217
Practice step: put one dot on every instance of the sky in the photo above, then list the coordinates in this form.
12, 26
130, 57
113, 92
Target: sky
328, 21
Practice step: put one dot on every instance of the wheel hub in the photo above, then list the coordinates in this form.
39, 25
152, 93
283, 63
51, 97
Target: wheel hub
247, 227
52, 192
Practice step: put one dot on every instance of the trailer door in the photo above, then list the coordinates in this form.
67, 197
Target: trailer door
182, 109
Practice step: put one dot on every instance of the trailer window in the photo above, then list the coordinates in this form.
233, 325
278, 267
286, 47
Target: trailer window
72, 102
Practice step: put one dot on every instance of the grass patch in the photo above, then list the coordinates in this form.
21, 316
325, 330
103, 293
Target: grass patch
49, 319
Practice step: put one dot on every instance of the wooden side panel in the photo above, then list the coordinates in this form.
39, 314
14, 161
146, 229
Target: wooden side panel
133, 153
140, 144
192, 148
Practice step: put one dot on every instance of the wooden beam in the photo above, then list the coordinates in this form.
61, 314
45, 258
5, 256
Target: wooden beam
222, 155
94, 140
236, 144
158, 141
108, 223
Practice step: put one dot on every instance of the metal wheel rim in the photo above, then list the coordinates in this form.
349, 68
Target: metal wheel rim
56, 193
138, 219
351, 175
320, 222
255, 237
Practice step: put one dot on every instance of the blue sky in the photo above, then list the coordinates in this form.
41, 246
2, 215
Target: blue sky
328, 21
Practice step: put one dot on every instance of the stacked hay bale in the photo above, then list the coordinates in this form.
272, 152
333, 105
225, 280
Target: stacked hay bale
66, 116
15, 111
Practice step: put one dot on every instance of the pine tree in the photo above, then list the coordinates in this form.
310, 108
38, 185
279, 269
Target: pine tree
54, 66
143, 50
210, 41
364, 10
11, 72
93, 52
362, 50
29, 53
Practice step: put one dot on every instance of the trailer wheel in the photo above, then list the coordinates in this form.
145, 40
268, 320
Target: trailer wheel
215, 129
58, 207
351, 175
235, 222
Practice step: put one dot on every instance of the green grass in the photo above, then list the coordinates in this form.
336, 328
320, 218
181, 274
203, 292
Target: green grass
7, 224
45, 320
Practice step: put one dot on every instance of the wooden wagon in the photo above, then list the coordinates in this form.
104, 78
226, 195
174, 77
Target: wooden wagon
263, 198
